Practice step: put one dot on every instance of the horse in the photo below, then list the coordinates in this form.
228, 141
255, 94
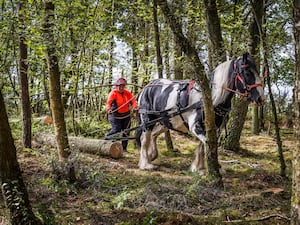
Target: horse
178, 105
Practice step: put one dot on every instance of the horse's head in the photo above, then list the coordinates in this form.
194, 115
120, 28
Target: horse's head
247, 81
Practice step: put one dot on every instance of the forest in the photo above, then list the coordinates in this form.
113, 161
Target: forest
59, 61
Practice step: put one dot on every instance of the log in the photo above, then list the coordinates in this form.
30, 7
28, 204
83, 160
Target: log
87, 145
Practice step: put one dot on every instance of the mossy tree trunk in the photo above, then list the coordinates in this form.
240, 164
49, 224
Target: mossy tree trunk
235, 125
12, 184
240, 107
56, 103
295, 201
211, 133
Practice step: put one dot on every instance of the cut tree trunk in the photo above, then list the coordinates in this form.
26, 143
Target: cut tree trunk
88, 145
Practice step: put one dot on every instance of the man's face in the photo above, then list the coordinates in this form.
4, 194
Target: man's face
121, 88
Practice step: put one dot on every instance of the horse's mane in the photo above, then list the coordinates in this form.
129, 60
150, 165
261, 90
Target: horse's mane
220, 79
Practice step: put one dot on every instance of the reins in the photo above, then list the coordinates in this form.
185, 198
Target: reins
238, 77
152, 85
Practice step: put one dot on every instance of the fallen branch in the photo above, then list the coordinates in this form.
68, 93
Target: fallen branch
258, 219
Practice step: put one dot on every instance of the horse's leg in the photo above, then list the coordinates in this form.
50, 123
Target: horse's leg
157, 130
144, 162
198, 163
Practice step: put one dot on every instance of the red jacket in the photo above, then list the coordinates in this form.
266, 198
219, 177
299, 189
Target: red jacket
122, 101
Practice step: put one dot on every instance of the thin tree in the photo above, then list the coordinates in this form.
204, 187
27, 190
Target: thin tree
295, 200
56, 103
211, 135
273, 105
214, 33
13, 188
134, 48
259, 12
159, 63
23, 68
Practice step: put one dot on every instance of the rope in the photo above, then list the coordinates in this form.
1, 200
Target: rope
124, 104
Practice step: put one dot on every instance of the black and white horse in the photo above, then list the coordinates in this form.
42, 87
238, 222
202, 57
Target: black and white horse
178, 105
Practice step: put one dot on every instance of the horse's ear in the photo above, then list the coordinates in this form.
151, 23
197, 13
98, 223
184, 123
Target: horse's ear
245, 57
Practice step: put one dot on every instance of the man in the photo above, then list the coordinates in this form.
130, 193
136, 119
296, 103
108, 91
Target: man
118, 105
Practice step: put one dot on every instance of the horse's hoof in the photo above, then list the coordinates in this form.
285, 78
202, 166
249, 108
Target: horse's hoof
201, 171
148, 167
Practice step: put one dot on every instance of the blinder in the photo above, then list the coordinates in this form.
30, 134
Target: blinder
241, 79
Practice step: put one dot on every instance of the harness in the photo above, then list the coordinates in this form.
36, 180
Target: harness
182, 103
183, 93
238, 77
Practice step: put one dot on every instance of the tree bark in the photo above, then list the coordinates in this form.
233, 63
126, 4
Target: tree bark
214, 32
255, 29
277, 128
134, 48
295, 200
23, 67
236, 124
159, 63
13, 188
56, 103
87, 145
240, 107
177, 49
211, 132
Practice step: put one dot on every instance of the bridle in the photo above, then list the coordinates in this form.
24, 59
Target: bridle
239, 78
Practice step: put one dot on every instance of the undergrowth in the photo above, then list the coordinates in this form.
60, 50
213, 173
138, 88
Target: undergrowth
114, 191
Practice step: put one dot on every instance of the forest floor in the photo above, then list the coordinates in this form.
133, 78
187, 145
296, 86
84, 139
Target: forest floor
114, 191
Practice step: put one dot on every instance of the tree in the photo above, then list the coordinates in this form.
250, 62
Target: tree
255, 30
159, 63
13, 187
240, 107
23, 67
211, 133
55, 88
266, 56
295, 201
56, 103
214, 33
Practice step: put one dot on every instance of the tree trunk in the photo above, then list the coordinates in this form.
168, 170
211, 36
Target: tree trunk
214, 32
235, 126
87, 145
13, 188
178, 52
55, 88
159, 63
211, 132
134, 49
258, 11
240, 108
295, 200
167, 58
23, 67
277, 129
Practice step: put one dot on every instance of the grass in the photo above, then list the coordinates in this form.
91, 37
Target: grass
109, 191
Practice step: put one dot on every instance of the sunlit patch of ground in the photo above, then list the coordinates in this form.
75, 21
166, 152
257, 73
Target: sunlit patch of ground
115, 191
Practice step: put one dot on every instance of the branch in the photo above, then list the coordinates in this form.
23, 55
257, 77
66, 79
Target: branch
259, 219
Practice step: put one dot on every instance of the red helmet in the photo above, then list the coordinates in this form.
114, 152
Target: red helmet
121, 81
